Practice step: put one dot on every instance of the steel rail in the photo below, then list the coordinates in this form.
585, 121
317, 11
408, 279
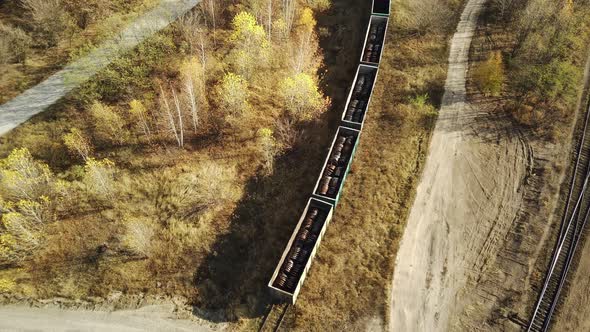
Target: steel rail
276, 324
568, 221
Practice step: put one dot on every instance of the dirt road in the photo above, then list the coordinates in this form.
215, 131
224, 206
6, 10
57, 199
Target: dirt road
466, 202
40, 97
150, 318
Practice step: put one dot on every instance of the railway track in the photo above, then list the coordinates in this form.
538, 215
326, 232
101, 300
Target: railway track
273, 320
574, 219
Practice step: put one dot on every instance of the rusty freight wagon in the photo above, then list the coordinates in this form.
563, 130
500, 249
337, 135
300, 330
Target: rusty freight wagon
359, 97
330, 182
295, 262
374, 40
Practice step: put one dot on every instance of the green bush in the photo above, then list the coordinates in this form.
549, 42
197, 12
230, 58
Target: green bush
489, 75
14, 44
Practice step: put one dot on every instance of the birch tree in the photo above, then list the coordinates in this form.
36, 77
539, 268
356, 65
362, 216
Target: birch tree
305, 48
301, 96
99, 178
212, 9
179, 114
22, 177
233, 93
139, 115
289, 8
172, 118
195, 34
77, 143
194, 93
109, 125
267, 149
251, 47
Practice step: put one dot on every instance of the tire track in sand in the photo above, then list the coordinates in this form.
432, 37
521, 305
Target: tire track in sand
465, 203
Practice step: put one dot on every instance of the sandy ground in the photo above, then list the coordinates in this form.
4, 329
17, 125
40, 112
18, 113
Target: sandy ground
467, 199
149, 318
485, 218
40, 97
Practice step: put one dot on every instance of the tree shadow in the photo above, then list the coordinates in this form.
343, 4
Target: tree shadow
342, 31
232, 281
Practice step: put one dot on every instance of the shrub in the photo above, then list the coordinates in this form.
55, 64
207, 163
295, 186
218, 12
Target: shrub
22, 177
108, 124
138, 236
318, 4
6, 285
50, 19
489, 75
19, 236
425, 16
301, 96
14, 44
99, 178
78, 143
233, 94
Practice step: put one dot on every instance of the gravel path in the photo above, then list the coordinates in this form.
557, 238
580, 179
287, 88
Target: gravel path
40, 97
150, 318
467, 199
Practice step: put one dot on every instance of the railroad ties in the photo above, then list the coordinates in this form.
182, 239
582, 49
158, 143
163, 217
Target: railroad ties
273, 320
573, 222
298, 255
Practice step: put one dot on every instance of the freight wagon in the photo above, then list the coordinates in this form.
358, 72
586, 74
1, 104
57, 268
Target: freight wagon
381, 7
295, 262
374, 39
359, 97
329, 185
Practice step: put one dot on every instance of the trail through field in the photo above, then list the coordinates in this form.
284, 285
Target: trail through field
38, 98
466, 202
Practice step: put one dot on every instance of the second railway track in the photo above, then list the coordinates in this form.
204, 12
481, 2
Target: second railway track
575, 215
273, 320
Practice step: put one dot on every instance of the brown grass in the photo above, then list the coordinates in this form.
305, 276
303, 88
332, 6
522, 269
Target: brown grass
348, 287
205, 257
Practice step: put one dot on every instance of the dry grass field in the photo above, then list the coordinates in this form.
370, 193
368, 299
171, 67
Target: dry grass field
184, 222
348, 286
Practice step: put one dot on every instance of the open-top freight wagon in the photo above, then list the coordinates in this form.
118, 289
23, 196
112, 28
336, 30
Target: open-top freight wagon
381, 7
330, 182
292, 269
373, 47
359, 97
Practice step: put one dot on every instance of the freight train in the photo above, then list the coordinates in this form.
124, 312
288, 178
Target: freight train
297, 257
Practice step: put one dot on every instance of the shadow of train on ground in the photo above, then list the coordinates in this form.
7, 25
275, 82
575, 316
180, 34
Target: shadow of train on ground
232, 283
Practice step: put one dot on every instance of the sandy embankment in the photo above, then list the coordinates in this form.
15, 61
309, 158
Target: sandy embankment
466, 202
